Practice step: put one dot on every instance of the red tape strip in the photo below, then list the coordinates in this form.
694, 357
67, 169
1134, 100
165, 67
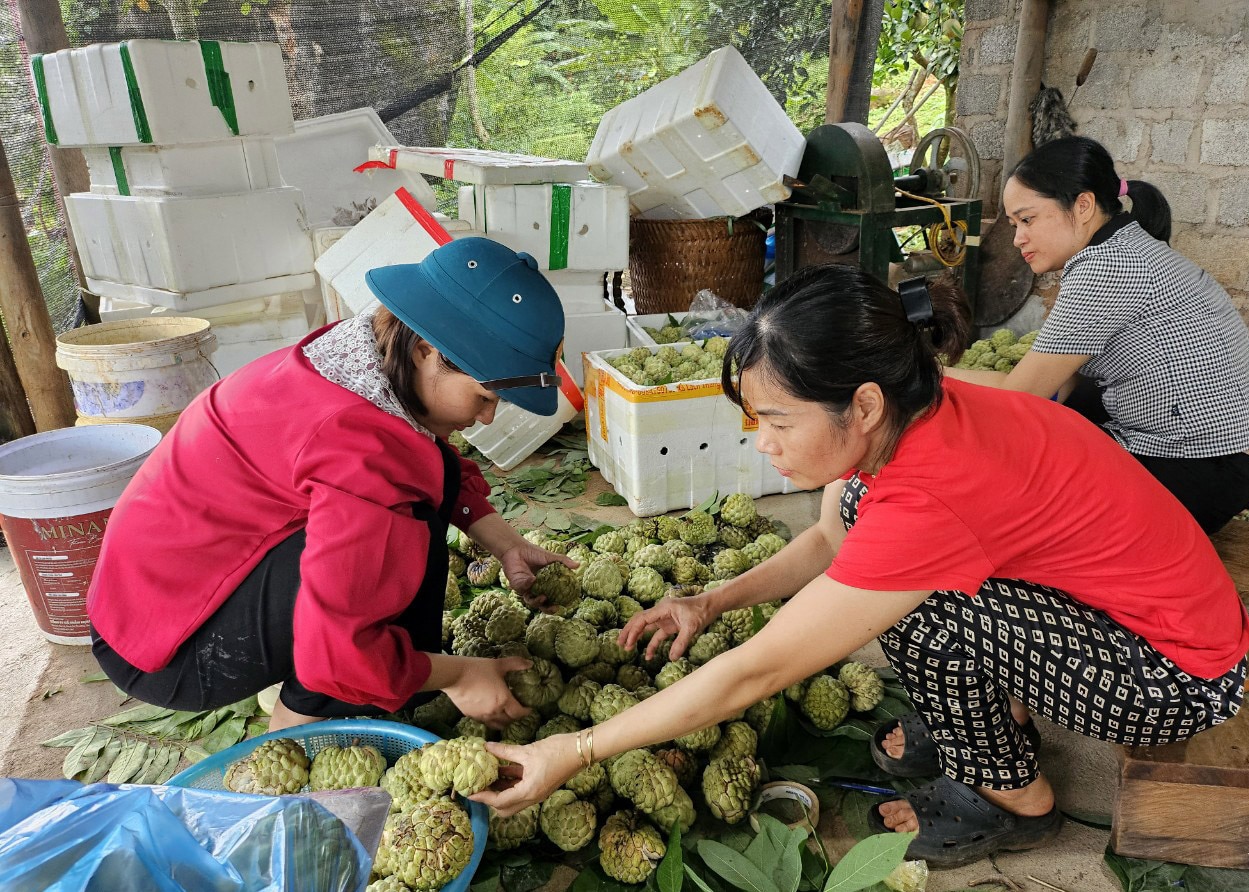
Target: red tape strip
423, 217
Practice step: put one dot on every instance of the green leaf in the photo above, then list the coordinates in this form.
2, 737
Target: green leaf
256, 728
671, 871
558, 521
129, 762
739, 870
70, 738
152, 766
1213, 879
1139, 875
788, 871
765, 849
247, 707
486, 879
527, 877
196, 753
170, 768
814, 870
85, 752
609, 499
698, 881
592, 879
870, 861
144, 712
712, 501
226, 734
93, 677
102, 763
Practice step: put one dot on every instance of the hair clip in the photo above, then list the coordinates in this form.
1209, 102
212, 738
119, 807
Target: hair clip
916, 301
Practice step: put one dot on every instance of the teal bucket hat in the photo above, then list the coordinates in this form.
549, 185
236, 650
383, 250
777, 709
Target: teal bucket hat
489, 310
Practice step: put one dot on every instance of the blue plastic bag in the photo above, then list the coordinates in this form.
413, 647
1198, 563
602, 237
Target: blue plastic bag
62, 836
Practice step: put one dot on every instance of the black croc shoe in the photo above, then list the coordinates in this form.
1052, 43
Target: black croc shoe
920, 757
958, 826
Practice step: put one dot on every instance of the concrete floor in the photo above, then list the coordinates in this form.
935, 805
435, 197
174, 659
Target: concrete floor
40, 685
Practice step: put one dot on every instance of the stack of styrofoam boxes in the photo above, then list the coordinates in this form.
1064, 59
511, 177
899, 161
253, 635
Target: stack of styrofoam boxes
672, 446
187, 209
708, 142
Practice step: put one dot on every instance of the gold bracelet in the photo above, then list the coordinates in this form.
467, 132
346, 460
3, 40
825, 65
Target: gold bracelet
580, 753
589, 741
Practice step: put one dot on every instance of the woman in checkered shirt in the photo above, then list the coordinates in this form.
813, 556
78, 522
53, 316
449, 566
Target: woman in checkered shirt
1140, 340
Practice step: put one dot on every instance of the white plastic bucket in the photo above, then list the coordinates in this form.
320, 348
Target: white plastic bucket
141, 371
57, 490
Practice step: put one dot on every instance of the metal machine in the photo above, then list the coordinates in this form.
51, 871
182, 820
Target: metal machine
848, 206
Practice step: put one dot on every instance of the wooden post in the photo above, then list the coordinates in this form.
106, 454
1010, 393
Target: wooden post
1025, 81
26, 315
15, 418
843, 34
43, 31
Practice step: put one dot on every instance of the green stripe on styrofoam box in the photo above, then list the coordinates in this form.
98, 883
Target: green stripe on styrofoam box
561, 212
119, 170
41, 90
219, 89
141, 127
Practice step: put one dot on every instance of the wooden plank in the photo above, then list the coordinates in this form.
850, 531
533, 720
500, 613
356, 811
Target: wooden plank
1189, 824
843, 35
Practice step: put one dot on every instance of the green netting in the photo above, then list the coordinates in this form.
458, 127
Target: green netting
542, 88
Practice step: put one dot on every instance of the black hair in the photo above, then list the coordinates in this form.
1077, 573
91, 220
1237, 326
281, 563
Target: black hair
397, 343
826, 330
1064, 168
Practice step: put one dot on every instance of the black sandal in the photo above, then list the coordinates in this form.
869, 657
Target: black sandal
958, 826
920, 758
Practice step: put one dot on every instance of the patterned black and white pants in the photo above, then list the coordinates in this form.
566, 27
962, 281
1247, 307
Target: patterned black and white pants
960, 658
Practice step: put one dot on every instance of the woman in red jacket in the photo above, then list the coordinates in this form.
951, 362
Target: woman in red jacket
291, 527
997, 545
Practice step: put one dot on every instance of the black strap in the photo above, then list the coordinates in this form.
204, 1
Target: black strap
542, 379
916, 301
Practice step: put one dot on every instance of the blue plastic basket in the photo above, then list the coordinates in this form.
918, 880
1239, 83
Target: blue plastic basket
392, 738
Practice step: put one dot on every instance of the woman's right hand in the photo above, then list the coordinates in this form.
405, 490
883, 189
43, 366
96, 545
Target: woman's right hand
480, 691
683, 618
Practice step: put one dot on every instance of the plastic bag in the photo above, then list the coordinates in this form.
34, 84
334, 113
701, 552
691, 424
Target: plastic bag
711, 315
62, 836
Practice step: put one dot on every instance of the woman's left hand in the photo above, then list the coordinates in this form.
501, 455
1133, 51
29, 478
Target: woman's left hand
522, 561
533, 772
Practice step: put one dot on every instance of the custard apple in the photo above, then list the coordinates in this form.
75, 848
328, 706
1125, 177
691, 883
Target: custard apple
759, 715
651, 786
439, 710
600, 671
602, 579
673, 672
738, 510
271, 769
539, 685
826, 702
729, 563
585, 783
629, 848
560, 724
576, 643
717, 346
681, 811
467, 727
522, 730
732, 537
507, 624
770, 543
598, 613
613, 541
456, 565
684, 765
698, 528
567, 821
611, 700
678, 549
558, 585
540, 634
609, 649
736, 739
688, 571
426, 847
483, 572
388, 884
626, 607
578, 694
462, 764
755, 553
667, 529
656, 557
699, 741
728, 787
866, 687
343, 767
452, 598
707, 647
759, 526
646, 584
404, 783
509, 833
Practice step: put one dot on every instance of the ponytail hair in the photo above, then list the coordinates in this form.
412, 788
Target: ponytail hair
826, 330
1065, 168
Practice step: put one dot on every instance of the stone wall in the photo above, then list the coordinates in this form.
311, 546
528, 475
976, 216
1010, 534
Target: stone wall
1168, 96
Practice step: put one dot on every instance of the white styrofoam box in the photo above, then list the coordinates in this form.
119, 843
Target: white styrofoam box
327, 157
670, 447
580, 291
516, 433
708, 142
161, 92
576, 226
322, 238
215, 168
198, 247
602, 329
245, 330
479, 165
400, 230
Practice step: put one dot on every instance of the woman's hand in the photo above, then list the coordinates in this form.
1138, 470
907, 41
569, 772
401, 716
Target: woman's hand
680, 617
522, 561
532, 774
480, 691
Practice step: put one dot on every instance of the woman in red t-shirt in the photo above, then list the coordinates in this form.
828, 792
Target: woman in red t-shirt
996, 543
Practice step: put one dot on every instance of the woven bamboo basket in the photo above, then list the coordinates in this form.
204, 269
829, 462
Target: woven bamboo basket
670, 261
